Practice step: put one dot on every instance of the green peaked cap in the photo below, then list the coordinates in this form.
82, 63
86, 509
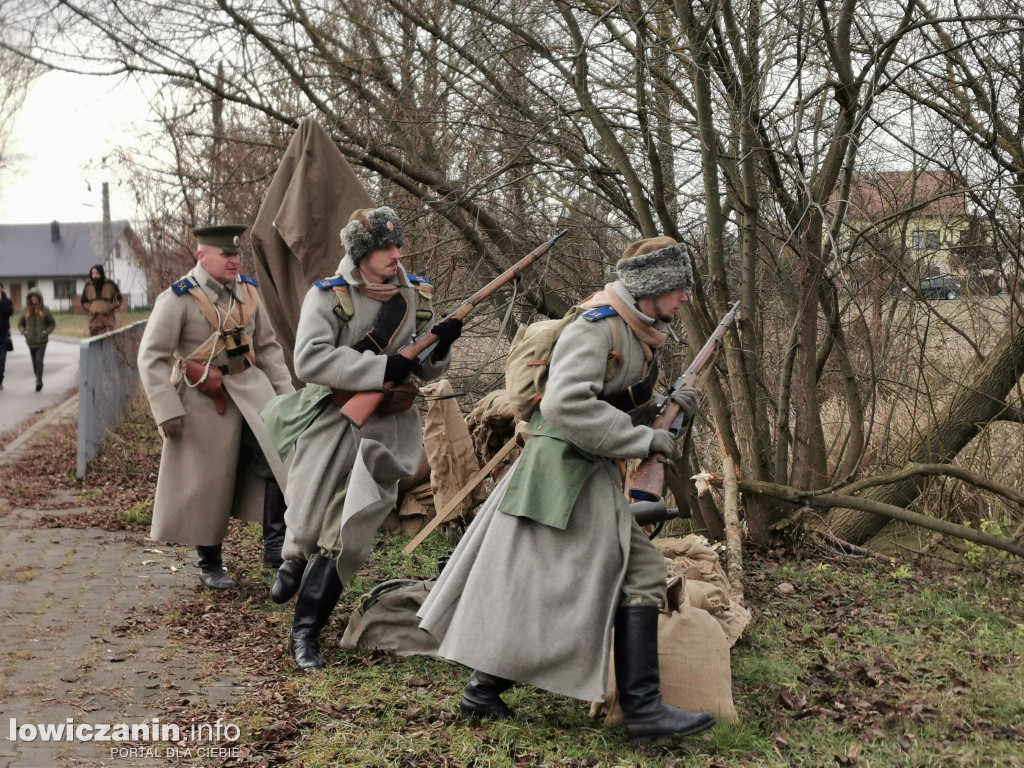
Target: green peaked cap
227, 237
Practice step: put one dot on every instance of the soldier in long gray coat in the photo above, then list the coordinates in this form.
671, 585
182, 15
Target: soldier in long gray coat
209, 361
554, 560
344, 479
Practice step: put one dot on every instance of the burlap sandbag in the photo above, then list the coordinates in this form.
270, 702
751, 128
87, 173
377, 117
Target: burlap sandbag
448, 461
706, 584
449, 449
693, 659
695, 632
415, 510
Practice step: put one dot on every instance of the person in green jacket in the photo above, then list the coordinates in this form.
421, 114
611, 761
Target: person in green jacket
36, 324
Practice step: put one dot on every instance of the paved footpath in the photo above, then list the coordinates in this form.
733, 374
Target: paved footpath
81, 639
19, 400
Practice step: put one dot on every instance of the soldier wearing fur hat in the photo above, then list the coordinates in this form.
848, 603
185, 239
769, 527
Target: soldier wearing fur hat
209, 361
554, 573
350, 330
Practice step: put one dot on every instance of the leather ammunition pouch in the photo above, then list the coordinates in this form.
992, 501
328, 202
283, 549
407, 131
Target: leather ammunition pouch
212, 384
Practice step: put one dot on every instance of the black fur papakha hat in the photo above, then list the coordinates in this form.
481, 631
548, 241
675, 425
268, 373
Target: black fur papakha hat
371, 229
654, 266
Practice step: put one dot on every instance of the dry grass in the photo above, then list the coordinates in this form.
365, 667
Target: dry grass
77, 326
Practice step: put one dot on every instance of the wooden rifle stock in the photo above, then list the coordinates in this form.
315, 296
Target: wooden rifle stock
362, 405
647, 481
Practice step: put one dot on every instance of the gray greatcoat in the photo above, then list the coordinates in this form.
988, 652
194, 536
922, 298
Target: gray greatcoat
331, 455
527, 601
202, 483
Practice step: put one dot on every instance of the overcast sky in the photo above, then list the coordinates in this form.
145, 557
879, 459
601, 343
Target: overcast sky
69, 123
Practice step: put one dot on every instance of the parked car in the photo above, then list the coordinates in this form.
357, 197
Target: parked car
941, 287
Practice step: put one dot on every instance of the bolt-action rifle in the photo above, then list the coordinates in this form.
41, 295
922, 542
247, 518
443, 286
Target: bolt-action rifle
648, 479
361, 405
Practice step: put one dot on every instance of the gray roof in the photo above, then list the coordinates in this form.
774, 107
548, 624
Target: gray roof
30, 250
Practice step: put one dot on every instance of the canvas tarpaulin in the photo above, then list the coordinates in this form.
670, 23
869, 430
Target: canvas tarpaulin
296, 236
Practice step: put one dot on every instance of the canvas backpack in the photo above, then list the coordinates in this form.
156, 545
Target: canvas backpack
526, 367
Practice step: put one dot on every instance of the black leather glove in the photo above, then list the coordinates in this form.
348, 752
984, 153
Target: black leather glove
663, 441
447, 331
397, 368
688, 400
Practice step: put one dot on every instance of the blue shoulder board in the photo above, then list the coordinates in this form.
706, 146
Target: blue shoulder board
250, 280
599, 313
184, 285
331, 282
417, 279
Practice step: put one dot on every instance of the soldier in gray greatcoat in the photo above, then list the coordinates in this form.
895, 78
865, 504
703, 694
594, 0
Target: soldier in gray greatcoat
554, 561
343, 480
209, 361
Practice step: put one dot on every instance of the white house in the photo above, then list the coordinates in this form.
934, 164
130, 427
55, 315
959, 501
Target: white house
57, 258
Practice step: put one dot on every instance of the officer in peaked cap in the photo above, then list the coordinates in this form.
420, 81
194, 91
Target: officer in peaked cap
211, 330
227, 237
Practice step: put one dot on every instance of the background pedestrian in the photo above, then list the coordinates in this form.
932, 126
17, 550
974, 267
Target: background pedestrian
100, 298
6, 310
36, 324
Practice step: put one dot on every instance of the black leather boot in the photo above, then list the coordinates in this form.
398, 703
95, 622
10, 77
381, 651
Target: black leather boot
318, 594
287, 581
211, 568
482, 697
646, 716
273, 525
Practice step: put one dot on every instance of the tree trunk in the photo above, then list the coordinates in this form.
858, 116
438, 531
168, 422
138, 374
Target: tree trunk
974, 405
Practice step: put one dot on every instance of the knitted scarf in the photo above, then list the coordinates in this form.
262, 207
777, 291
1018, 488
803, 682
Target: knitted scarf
643, 329
379, 291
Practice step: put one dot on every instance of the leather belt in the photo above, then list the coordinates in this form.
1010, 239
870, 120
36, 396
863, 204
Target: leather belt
224, 369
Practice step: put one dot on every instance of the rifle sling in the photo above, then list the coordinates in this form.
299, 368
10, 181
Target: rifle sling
386, 325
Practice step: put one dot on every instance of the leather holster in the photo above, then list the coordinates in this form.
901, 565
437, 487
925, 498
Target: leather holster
212, 385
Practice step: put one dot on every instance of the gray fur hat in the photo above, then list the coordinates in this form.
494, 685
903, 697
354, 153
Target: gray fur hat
654, 266
371, 229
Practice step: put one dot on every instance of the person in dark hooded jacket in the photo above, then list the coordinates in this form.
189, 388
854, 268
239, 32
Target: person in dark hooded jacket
36, 324
100, 298
6, 310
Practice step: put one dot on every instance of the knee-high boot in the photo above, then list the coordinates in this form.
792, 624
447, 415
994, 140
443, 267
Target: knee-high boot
645, 715
273, 525
482, 696
287, 581
211, 568
318, 594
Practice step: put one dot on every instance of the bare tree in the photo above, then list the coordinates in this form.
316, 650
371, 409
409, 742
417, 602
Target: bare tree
737, 127
16, 77
963, 75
